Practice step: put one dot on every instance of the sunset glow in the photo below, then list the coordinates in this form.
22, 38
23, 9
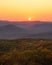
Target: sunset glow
17, 10
29, 19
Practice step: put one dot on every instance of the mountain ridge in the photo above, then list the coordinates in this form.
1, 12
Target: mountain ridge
23, 30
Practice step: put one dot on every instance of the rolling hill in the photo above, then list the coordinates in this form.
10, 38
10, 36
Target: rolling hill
13, 30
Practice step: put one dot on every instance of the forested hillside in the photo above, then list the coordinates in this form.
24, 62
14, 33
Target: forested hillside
26, 52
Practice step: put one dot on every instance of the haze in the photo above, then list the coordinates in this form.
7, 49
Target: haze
23, 9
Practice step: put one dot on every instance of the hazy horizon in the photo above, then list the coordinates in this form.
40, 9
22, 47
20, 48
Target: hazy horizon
25, 21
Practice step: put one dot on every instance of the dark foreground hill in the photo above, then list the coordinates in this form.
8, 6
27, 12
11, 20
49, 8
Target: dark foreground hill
26, 52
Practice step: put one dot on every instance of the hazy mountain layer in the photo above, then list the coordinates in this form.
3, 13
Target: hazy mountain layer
13, 30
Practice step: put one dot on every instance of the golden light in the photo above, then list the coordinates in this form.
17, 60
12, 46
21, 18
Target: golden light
21, 9
29, 19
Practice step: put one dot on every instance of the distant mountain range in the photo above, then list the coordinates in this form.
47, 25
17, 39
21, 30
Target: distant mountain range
14, 30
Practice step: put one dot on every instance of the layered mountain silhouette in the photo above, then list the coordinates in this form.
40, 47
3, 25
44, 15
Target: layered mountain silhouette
14, 30
11, 31
41, 28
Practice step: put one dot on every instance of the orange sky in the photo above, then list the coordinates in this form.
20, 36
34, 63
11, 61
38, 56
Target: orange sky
23, 9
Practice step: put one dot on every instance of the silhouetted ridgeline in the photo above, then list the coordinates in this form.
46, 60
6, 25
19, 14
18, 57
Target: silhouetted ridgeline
16, 30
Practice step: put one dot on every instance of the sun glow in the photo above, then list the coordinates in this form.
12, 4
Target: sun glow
29, 19
22, 10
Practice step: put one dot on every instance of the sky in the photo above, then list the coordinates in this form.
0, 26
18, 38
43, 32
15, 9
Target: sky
22, 10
